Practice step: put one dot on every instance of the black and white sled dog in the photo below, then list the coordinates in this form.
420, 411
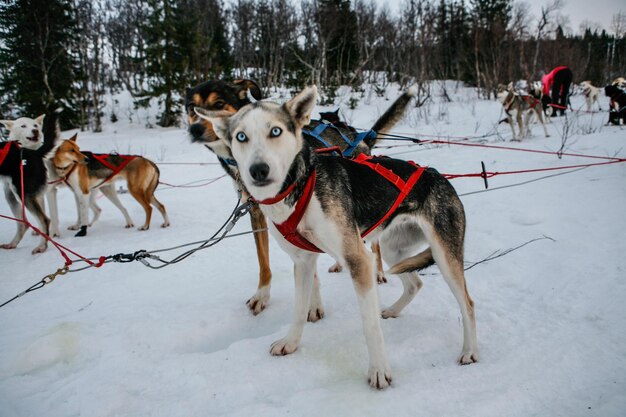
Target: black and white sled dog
30, 142
347, 198
520, 108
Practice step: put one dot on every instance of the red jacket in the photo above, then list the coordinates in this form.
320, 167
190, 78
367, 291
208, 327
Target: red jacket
548, 79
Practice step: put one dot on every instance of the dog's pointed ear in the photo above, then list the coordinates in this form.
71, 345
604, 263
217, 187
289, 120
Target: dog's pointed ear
7, 123
301, 106
40, 119
74, 137
218, 119
243, 86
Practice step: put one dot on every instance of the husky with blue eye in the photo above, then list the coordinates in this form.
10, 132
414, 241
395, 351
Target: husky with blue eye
328, 204
218, 95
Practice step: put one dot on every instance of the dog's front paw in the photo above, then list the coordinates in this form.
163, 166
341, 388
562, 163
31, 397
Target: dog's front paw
166, 224
380, 277
316, 308
39, 249
143, 228
284, 347
129, 226
390, 313
315, 314
259, 300
468, 357
8, 246
74, 227
82, 232
335, 268
379, 378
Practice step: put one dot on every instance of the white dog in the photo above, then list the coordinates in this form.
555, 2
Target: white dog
591, 94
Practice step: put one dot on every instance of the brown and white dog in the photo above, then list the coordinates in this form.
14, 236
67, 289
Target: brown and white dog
230, 97
591, 94
85, 172
334, 205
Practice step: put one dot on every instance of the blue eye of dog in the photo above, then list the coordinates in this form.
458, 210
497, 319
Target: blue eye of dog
276, 131
241, 137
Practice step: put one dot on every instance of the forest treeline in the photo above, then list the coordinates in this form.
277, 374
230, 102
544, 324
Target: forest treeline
75, 52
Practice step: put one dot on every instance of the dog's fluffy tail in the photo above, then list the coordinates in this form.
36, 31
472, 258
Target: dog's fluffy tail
51, 132
414, 263
392, 116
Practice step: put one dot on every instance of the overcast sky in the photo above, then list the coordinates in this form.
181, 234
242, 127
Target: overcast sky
598, 11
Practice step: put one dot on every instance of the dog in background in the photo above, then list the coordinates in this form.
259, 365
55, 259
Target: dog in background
617, 107
620, 82
217, 95
591, 94
520, 108
84, 172
30, 142
346, 198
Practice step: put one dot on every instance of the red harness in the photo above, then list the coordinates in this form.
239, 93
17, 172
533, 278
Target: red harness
289, 228
5, 151
102, 158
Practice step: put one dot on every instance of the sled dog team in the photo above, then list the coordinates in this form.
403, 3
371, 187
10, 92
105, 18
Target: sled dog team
318, 186
50, 163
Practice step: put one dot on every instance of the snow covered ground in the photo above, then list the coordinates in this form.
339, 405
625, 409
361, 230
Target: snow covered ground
124, 340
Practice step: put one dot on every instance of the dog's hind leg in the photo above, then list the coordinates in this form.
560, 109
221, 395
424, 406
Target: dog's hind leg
137, 191
380, 272
109, 192
304, 274
260, 299
448, 254
411, 281
34, 206
153, 200
16, 209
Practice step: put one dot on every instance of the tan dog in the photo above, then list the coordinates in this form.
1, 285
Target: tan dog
591, 94
84, 172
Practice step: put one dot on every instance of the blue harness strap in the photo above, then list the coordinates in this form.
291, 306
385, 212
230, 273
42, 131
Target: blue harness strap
352, 144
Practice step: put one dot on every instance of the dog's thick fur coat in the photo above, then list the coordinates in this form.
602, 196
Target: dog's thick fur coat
266, 141
28, 144
217, 95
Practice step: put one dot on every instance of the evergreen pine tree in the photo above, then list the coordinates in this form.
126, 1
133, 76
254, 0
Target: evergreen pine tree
36, 39
166, 56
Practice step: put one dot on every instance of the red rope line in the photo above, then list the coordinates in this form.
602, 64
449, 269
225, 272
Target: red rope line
510, 148
489, 174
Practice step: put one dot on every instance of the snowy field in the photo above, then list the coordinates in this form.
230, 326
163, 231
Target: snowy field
124, 340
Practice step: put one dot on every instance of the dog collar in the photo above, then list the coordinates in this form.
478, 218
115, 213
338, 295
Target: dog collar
289, 228
227, 161
279, 197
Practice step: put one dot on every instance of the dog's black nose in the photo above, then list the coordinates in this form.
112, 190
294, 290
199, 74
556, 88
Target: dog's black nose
196, 131
259, 171
35, 132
